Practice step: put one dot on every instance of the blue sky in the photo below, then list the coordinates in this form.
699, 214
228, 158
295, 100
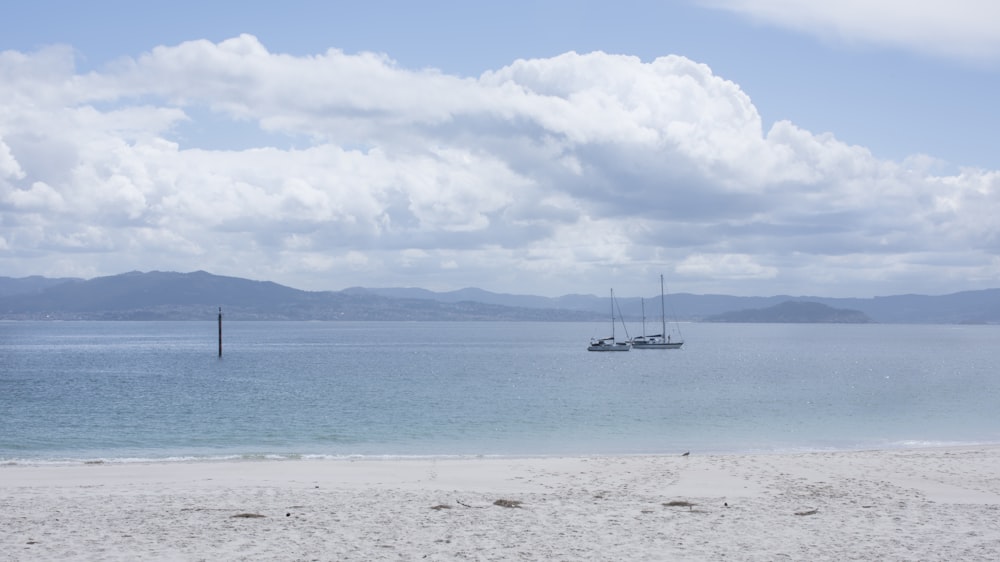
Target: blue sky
739, 146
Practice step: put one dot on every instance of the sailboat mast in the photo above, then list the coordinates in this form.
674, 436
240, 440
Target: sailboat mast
663, 313
612, 316
642, 302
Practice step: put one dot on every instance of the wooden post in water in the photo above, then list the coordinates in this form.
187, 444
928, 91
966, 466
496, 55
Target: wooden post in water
220, 331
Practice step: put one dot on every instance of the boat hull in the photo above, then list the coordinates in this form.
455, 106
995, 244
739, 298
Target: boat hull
671, 345
609, 347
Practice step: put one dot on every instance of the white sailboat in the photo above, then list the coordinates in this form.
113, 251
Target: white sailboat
661, 340
609, 343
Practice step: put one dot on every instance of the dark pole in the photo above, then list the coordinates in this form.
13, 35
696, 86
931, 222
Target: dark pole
220, 331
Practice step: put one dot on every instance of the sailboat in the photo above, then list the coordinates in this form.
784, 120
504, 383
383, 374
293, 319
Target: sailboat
661, 340
609, 343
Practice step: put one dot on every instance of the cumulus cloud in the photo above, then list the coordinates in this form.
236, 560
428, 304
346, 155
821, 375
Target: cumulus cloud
548, 175
965, 29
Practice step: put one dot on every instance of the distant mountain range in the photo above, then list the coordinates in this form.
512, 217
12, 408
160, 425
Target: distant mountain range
967, 307
795, 312
182, 296
160, 295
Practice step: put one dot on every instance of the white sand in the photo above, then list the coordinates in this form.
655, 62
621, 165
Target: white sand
927, 504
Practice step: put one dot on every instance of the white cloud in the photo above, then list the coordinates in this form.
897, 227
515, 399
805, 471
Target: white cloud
550, 175
965, 29
38, 197
9, 168
725, 266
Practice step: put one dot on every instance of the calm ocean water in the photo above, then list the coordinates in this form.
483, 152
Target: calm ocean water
121, 391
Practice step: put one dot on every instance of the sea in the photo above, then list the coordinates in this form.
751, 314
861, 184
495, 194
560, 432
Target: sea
121, 392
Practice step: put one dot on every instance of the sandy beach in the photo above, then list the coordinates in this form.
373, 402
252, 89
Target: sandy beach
914, 504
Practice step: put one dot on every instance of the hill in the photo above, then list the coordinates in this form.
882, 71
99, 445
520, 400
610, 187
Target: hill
35, 284
794, 312
168, 295
967, 307
160, 295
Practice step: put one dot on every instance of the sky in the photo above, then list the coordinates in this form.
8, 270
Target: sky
743, 147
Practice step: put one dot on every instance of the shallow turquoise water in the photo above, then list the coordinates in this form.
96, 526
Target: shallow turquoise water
72, 391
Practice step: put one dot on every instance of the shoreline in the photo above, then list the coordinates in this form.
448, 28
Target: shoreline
914, 503
288, 457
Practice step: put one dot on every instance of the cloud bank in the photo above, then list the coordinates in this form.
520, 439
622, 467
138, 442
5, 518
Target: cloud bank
546, 176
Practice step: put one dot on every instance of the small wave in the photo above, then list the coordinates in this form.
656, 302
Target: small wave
924, 444
236, 457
